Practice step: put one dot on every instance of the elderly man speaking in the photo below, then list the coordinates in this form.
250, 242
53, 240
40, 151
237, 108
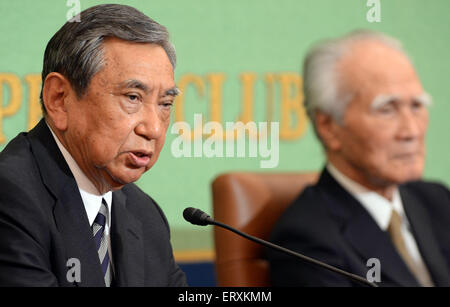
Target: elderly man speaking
369, 213
69, 213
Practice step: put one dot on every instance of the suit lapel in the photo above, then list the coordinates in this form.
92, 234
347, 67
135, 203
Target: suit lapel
426, 241
69, 213
369, 241
73, 224
126, 244
363, 234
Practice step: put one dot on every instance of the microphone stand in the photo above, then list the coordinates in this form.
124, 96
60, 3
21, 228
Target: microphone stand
292, 253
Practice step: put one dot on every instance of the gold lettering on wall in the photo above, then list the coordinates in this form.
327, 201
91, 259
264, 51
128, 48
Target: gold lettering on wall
282, 90
10, 107
291, 107
34, 106
183, 83
270, 105
247, 97
215, 100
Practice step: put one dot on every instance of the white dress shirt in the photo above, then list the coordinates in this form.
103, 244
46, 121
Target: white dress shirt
91, 197
380, 209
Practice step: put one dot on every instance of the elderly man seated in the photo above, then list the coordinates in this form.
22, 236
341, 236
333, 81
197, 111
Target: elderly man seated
369, 213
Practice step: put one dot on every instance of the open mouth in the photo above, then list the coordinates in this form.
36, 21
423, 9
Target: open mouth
139, 154
139, 159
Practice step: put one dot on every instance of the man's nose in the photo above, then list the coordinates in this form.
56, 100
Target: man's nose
150, 126
410, 125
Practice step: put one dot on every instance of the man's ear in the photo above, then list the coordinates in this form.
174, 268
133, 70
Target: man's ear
328, 130
56, 91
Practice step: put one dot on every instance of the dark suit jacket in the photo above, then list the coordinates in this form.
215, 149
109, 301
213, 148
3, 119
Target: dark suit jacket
43, 223
327, 223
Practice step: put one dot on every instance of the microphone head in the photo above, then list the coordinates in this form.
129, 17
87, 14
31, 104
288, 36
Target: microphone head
196, 216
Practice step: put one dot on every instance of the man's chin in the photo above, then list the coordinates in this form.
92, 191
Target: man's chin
406, 176
119, 179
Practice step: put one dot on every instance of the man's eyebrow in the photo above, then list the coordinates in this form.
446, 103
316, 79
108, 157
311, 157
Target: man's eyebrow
133, 83
382, 100
174, 91
425, 99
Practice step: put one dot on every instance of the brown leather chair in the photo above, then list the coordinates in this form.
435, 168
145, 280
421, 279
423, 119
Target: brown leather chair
252, 203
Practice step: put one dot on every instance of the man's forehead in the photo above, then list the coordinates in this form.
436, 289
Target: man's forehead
370, 51
370, 69
145, 66
114, 43
121, 54
371, 61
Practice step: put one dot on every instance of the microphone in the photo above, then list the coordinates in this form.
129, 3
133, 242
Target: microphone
197, 217
200, 218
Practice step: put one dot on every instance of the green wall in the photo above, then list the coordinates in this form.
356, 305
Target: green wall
227, 39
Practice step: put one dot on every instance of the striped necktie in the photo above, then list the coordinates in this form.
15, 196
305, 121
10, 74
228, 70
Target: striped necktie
101, 241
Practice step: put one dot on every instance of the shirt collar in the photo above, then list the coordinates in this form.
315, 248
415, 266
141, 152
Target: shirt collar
91, 197
93, 202
378, 207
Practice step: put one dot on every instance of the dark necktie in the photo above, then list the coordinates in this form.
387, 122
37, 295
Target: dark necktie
101, 241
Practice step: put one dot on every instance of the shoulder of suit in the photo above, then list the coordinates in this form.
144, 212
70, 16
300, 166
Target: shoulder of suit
23, 193
309, 199
18, 166
142, 203
431, 188
434, 196
306, 209
18, 150
136, 195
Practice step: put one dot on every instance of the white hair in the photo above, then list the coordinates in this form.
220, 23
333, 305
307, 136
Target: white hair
322, 83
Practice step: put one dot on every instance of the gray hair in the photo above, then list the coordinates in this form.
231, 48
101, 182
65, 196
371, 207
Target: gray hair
322, 87
76, 49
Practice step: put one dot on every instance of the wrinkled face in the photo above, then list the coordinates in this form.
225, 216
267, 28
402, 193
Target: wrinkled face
117, 130
382, 138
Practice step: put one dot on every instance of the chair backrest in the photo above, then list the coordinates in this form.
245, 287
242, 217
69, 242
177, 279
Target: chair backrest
252, 203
